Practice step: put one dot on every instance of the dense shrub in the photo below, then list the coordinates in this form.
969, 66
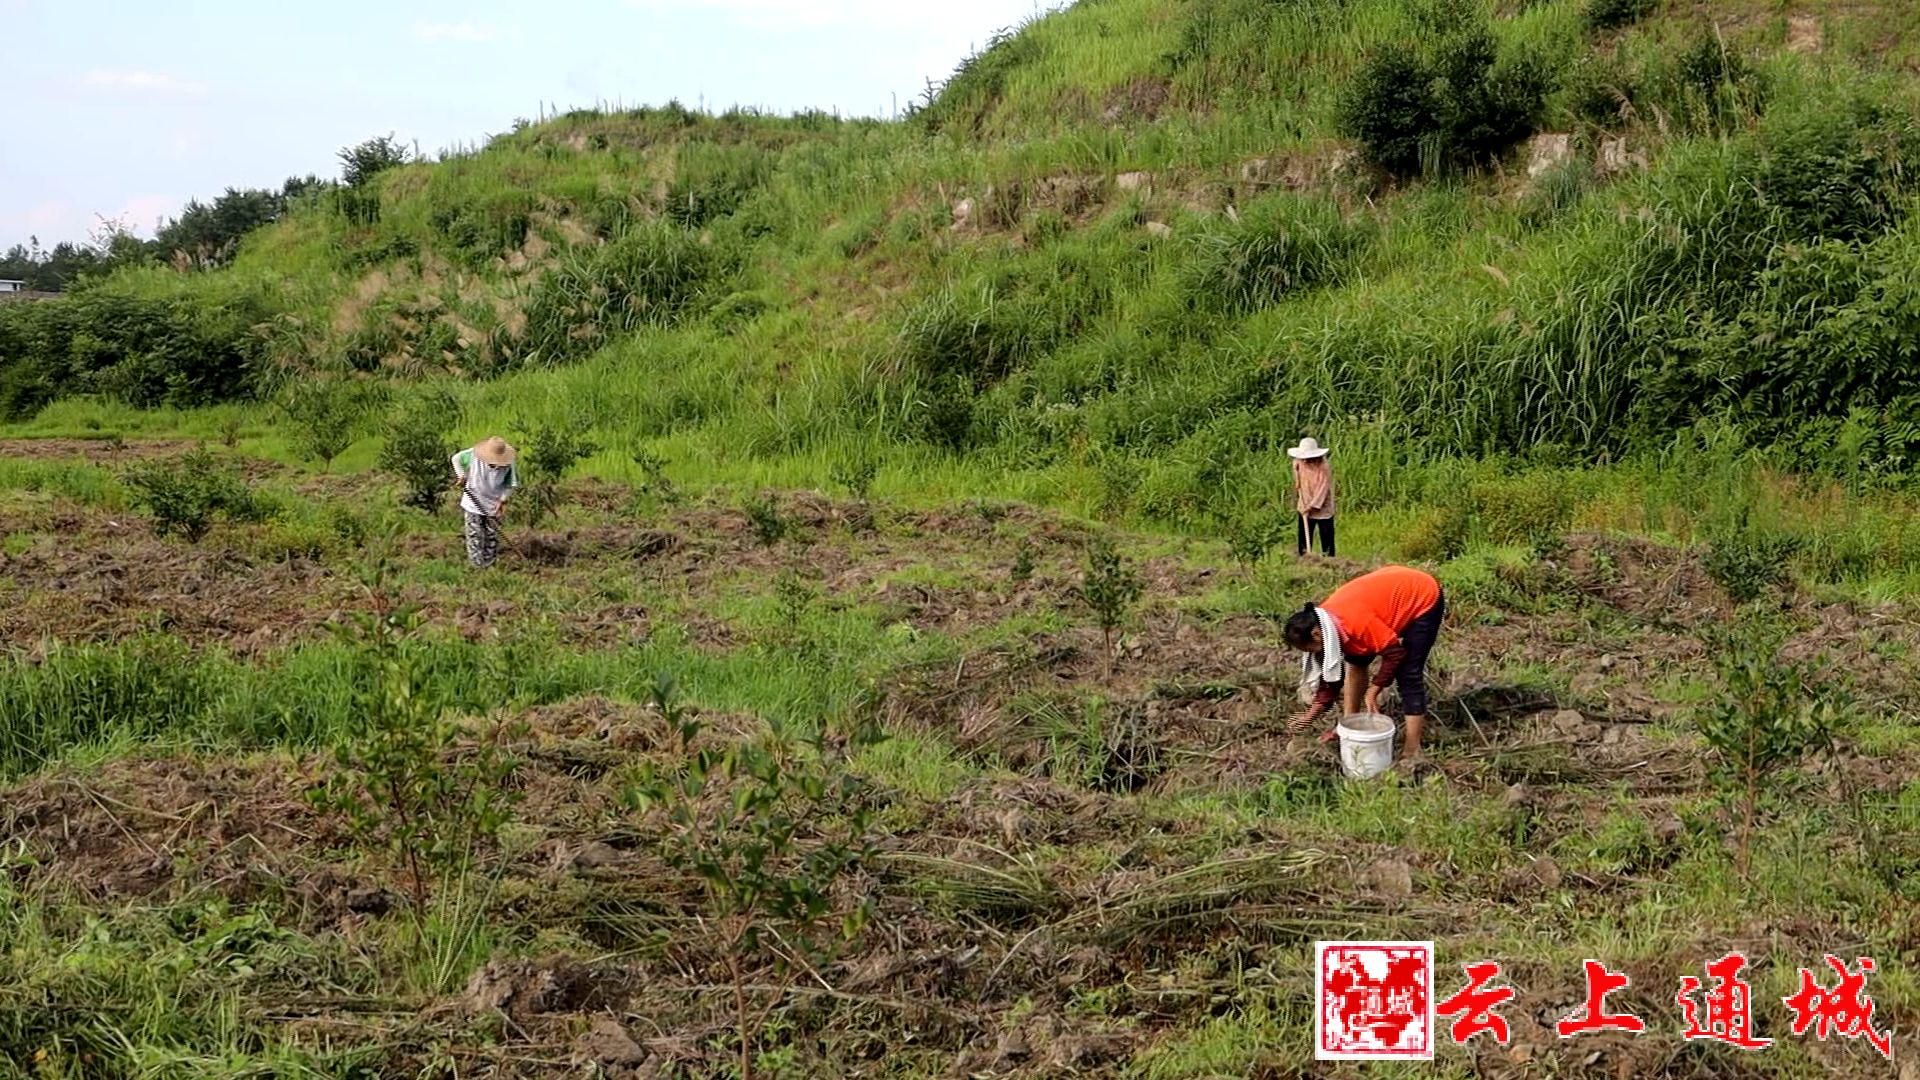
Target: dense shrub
476, 231
325, 413
360, 164
183, 349
1277, 247
655, 275
1450, 103
418, 447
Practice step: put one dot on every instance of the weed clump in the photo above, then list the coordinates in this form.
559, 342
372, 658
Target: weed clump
655, 275
1614, 14
1278, 247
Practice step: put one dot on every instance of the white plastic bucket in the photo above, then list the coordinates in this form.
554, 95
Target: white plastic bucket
1366, 744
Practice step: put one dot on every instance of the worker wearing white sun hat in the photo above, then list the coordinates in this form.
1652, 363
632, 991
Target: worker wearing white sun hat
1313, 494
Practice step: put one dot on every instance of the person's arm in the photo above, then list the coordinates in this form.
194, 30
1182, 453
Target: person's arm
1323, 699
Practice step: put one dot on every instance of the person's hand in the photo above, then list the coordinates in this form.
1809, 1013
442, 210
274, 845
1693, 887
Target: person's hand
1300, 724
1373, 699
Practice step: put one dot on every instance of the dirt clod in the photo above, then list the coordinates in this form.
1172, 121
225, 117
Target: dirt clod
607, 1043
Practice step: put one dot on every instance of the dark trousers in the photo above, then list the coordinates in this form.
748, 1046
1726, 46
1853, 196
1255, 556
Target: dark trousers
1305, 527
1418, 638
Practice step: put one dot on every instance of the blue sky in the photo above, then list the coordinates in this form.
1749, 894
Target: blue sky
128, 108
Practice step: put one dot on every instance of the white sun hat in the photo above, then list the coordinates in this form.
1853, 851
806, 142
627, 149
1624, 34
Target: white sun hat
1308, 449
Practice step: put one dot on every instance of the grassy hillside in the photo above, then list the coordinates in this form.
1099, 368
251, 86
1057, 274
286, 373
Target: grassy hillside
793, 742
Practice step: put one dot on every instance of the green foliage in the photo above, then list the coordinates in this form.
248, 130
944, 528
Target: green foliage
418, 446
1450, 102
1746, 561
1109, 588
769, 525
326, 413
654, 479
712, 182
1022, 570
770, 827
185, 493
179, 348
1251, 535
1769, 715
1277, 247
1614, 14
545, 459
854, 471
961, 105
399, 784
655, 275
1441, 532
359, 164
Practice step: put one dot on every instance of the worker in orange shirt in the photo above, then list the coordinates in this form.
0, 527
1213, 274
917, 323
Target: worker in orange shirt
1391, 615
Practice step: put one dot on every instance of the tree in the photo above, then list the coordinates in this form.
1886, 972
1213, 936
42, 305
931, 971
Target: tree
359, 164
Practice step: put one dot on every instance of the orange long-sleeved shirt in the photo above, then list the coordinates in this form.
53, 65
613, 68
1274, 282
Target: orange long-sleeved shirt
1372, 610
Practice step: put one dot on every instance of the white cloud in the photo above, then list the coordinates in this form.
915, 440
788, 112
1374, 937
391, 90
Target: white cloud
137, 80
465, 33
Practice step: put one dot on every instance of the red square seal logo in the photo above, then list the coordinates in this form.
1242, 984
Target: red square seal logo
1374, 1000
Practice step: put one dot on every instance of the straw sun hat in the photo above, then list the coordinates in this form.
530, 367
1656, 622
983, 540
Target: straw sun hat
1308, 449
495, 450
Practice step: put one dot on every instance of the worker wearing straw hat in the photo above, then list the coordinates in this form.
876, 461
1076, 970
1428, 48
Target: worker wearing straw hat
487, 475
1313, 494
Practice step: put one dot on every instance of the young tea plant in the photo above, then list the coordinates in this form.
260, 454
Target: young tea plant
1770, 714
549, 453
1109, 589
769, 826
395, 785
854, 473
325, 414
654, 481
185, 493
418, 447
763, 514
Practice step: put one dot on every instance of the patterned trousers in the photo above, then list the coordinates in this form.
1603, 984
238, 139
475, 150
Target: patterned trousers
483, 539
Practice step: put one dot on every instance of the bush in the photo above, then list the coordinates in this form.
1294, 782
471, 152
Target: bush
1441, 533
184, 494
655, 275
1278, 247
418, 447
359, 164
1453, 103
326, 414
1532, 509
1747, 562
546, 457
1613, 14
712, 181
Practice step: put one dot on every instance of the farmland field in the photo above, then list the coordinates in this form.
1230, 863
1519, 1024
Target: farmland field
1074, 865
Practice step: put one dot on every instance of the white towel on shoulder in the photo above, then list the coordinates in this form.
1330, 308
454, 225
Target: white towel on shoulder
1330, 666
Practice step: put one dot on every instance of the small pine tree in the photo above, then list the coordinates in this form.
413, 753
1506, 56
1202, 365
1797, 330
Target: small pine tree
1109, 589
